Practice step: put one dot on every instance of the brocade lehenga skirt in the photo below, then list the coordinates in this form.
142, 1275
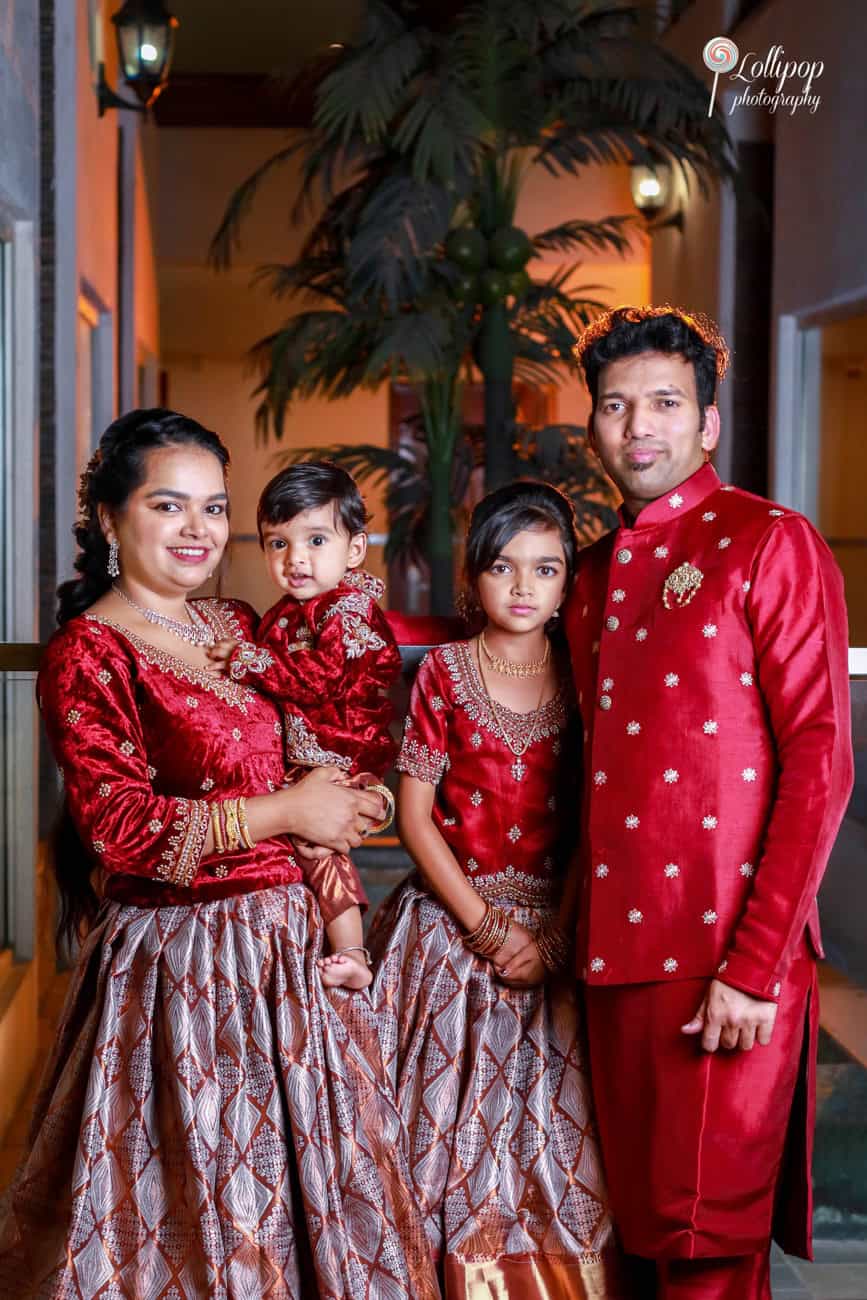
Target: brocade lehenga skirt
491, 1085
212, 1124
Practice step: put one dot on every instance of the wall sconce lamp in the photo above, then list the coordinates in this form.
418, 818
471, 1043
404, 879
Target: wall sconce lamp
145, 32
651, 193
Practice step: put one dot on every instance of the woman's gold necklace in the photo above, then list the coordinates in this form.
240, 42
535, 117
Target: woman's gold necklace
515, 667
519, 768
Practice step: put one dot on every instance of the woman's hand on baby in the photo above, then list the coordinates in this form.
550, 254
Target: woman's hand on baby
323, 810
219, 654
311, 852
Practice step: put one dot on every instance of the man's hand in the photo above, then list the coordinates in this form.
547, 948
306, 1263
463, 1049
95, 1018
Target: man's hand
219, 654
729, 1018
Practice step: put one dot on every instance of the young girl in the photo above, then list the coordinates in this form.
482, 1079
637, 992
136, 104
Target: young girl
481, 1036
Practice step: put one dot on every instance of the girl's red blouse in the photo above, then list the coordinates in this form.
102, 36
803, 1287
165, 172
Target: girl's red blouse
505, 797
145, 743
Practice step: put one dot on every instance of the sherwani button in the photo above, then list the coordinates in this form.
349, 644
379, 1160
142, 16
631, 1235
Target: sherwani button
605, 701
612, 622
624, 555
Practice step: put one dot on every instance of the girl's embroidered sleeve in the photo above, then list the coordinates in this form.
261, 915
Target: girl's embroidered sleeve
424, 752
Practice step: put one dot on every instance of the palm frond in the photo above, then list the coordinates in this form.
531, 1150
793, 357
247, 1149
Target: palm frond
365, 461
227, 239
397, 233
320, 277
609, 234
441, 129
560, 454
369, 84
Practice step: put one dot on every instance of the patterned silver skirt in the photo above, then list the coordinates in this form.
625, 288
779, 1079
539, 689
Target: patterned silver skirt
212, 1123
491, 1084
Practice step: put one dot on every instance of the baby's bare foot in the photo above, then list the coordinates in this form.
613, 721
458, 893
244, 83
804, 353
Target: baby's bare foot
342, 971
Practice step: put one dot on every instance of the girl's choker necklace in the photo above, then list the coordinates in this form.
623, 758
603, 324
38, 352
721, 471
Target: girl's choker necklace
512, 667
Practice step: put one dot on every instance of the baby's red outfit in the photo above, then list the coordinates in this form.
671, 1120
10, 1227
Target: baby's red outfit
330, 663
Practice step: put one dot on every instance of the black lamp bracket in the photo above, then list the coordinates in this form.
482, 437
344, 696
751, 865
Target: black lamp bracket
107, 98
675, 221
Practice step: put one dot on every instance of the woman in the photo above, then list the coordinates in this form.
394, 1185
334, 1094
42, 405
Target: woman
206, 1125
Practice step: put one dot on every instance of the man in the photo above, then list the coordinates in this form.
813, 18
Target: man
709, 647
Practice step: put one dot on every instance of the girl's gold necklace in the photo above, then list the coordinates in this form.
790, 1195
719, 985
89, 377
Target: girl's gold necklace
519, 768
514, 667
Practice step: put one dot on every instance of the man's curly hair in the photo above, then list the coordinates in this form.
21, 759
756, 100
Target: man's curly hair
627, 331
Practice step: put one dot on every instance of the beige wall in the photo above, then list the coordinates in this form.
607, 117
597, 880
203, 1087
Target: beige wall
842, 513
97, 147
96, 196
146, 304
209, 320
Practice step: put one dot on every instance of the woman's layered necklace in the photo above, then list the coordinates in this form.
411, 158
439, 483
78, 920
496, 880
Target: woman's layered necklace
196, 632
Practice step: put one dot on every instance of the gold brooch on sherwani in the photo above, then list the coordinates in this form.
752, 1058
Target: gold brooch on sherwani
681, 586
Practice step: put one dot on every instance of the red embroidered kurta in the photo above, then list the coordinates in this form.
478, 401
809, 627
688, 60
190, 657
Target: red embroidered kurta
497, 812
717, 750
144, 742
330, 663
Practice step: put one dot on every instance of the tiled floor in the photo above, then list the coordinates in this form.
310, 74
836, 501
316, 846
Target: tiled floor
838, 1273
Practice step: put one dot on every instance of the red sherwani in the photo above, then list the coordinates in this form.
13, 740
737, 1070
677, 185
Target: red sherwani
709, 650
329, 662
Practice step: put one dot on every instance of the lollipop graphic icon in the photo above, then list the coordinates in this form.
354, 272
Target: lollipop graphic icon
720, 55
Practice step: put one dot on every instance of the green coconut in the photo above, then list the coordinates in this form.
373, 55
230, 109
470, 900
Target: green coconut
465, 287
510, 248
518, 283
493, 286
467, 248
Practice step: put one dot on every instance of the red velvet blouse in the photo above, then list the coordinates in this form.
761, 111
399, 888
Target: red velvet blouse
144, 742
330, 663
499, 812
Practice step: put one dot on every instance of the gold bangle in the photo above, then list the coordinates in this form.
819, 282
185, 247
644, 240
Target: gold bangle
217, 828
552, 946
389, 802
490, 935
244, 825
233, 834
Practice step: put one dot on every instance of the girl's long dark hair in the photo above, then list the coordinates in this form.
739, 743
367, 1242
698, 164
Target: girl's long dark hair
117, 468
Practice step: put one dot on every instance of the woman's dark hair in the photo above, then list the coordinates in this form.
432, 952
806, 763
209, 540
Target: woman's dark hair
627, 331
307, 486
526, 503
116, 469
